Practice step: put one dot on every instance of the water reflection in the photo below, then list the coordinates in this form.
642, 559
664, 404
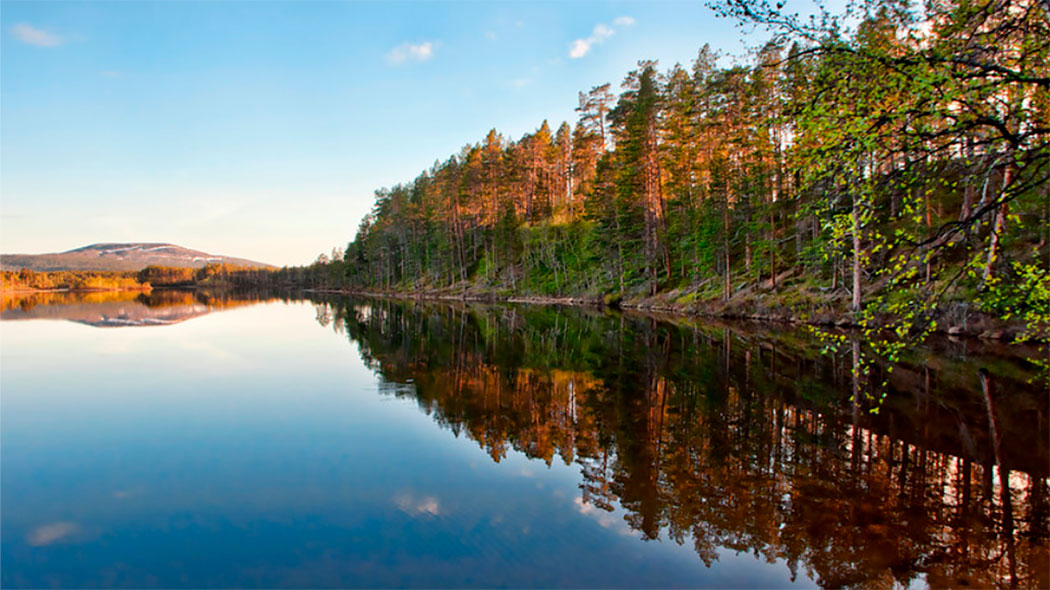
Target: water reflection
745, 439
121, 309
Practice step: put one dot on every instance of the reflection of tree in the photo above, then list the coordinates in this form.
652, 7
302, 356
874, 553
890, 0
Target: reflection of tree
324, 314
728, 439
28, 300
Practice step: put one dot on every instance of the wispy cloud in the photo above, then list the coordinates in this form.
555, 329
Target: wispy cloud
582, 47
412, 52
491, 35
31, 35
601, 32
109, 74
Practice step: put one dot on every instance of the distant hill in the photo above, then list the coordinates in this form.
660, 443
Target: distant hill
127, 256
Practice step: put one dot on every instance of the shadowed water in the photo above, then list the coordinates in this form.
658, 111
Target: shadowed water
372, 443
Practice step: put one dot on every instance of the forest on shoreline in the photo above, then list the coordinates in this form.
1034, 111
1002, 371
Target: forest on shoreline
893, 172
211, 275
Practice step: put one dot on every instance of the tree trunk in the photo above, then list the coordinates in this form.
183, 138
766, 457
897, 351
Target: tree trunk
772, 249
725, 244
1000, 221
855, 306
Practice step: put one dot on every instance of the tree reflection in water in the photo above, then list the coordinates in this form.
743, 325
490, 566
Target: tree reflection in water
744, 438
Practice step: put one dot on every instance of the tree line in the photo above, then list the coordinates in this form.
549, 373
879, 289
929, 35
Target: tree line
890, 170
210, 275
73, 280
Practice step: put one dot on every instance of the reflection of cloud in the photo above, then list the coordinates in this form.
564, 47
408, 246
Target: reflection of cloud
584, 507
605, 519
121, 494
50, 533
417, 506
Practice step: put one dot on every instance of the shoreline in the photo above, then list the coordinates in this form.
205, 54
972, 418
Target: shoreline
982, 326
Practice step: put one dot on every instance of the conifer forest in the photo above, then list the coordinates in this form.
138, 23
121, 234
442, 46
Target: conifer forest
888, 165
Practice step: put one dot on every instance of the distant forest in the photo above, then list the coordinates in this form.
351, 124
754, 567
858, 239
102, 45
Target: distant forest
893, 171
211, 275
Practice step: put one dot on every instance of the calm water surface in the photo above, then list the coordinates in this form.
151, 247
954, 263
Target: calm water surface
182, 440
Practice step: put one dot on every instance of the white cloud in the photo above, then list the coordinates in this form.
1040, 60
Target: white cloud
579, 48
491, 35
624, 21
110, 74
34, 36
582, 47
412, 52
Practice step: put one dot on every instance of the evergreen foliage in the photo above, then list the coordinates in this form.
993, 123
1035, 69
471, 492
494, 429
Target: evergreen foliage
890, 170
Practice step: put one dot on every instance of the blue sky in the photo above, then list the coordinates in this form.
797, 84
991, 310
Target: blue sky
261, 129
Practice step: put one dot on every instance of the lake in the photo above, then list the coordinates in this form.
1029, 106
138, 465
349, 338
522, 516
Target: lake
187, 439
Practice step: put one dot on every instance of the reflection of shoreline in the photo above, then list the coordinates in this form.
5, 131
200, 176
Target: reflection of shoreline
24, 292
723, 438
118, 309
